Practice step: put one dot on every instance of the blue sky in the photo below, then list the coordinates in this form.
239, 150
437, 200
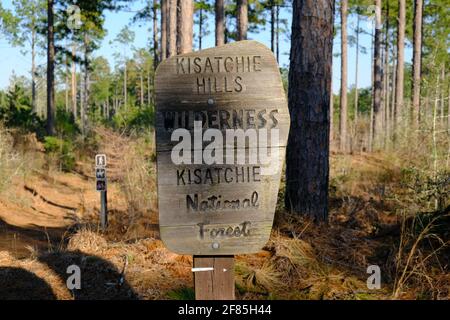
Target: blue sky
14, 61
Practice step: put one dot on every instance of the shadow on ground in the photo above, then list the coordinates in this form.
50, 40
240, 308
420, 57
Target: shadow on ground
16, 240
20, 284
100, 280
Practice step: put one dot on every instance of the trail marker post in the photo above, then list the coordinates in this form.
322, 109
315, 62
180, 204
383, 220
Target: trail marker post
222, 124
100, 176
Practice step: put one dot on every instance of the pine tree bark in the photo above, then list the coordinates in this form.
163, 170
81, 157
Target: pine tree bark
272, 25
74, 82
149, 92
394, 83
171, 28
377, 85
51, 107
400, 65
163, 29
307, 166
67, 84
331, 112
441, 96
185, 25
33, 71
277, 34
125, 84
387, 108
372, 82
343, 96
141, 76
220, 22
358, 19
155, 34
85, 100
242, 19
417, 60
200, 29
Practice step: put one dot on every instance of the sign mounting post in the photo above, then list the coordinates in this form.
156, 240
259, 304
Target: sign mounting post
222, 124
100, 176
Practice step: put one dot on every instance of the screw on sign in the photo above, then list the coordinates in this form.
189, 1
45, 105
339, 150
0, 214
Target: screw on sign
222, 124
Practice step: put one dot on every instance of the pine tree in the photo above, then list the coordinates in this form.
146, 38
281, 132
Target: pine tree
307, 166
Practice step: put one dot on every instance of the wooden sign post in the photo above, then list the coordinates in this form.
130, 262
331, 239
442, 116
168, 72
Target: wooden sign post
222, 124
100, 175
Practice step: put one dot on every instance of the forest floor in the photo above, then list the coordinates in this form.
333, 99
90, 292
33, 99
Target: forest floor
49, 221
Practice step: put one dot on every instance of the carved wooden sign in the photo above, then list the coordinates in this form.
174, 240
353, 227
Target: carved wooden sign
222, 124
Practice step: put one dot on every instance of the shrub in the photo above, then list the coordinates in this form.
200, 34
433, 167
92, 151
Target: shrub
135, 118
65, 124
16, 111
62, 151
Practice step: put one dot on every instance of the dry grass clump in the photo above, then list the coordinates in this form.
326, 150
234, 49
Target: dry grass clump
87, 241
137, 182
420, 263
152, 270
257, 278
296, 252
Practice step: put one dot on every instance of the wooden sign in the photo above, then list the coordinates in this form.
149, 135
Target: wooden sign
222, 124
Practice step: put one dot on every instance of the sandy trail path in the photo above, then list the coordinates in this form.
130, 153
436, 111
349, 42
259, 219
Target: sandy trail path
37, 210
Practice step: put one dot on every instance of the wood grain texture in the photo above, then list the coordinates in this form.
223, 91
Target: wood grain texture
226, 207
217, 284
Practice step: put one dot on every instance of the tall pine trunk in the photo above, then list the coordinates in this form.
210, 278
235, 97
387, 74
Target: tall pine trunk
417, 60
277, 35
307, 166
171, 28
74, 82
242, 19
343, 98
441, 96
67, 84
185, 25
377, 85
200, 29
155, 34
372, 81
394, 83
398, 108
149, 92
331, 112
163, 29
84, 106
358, 19
125, 84
51, 107
141, 77
220, 22
33, 71
387, 104
272, 25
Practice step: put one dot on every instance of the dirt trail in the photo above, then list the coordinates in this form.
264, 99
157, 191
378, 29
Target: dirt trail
38, 209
